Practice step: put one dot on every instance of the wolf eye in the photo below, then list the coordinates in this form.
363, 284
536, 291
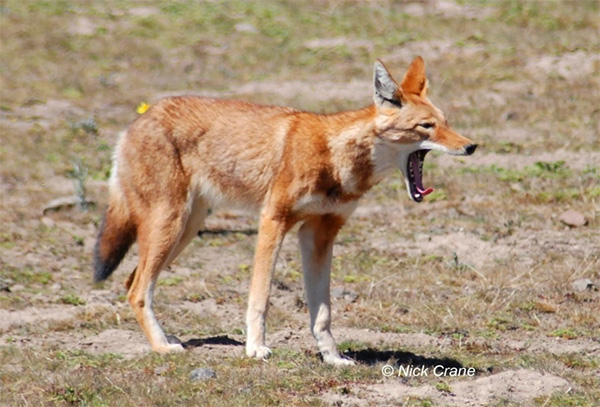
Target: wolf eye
427, 125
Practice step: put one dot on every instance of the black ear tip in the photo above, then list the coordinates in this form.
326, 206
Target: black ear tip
470, 148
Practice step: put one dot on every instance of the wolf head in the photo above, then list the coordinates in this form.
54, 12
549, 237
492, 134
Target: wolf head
411, 126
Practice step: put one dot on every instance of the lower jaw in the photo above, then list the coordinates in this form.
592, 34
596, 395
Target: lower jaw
417, 199
415, 196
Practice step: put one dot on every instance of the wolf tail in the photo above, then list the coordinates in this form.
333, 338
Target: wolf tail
117, 234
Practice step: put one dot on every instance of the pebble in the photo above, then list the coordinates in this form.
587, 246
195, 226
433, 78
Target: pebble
246, 28
572, 218
339, 292
161, 370
202, 373
583, 284
174, 339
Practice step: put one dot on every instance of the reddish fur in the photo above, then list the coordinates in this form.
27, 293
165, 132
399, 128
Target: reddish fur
187, 152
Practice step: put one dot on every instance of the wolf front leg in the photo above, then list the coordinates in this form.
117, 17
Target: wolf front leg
271, 232
316, 243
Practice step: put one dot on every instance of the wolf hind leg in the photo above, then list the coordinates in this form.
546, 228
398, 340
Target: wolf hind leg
193, 225
158, 236
171, 233
195, 221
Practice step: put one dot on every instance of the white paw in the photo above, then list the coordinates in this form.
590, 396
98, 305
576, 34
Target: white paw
258, 352
169, 348
337, 360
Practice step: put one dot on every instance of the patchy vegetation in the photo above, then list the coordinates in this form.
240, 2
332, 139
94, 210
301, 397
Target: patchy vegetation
479, 275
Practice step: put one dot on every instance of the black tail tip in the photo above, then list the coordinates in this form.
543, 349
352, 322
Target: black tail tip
101, 269
113, 242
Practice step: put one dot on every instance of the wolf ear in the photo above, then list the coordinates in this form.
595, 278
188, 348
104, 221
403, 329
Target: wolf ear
386, 88
415, 81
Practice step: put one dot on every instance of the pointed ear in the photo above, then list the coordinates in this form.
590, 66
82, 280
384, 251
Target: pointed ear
386, 88
415, 81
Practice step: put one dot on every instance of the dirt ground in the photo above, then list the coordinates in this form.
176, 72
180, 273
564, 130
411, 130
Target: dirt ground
486, 273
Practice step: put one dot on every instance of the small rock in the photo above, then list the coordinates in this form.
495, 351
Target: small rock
10, 368
60, 203
143, 11
161, 370
246, 28
202, 373
82, 26
339, 292
174, 340
48, 222
573, 218
66, 202
5, 284
583, 284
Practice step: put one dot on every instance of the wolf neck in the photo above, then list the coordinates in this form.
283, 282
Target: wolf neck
361, 158
384, 154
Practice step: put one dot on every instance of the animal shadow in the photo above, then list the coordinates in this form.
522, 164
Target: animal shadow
215, 340
371, 356
247, 232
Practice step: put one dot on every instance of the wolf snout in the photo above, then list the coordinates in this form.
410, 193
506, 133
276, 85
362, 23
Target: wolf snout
470, 148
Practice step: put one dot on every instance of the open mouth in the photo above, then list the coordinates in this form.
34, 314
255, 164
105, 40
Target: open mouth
414, 175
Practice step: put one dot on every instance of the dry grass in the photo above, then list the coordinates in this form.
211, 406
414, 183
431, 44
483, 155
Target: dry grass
484, 265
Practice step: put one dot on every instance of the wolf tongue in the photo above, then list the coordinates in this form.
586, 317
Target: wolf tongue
416, 166
425, 192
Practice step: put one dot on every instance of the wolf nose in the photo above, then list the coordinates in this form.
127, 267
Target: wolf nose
470, 149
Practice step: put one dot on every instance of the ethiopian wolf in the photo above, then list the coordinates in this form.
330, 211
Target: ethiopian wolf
186, 155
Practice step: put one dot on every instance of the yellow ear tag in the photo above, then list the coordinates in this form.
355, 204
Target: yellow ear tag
142, 108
